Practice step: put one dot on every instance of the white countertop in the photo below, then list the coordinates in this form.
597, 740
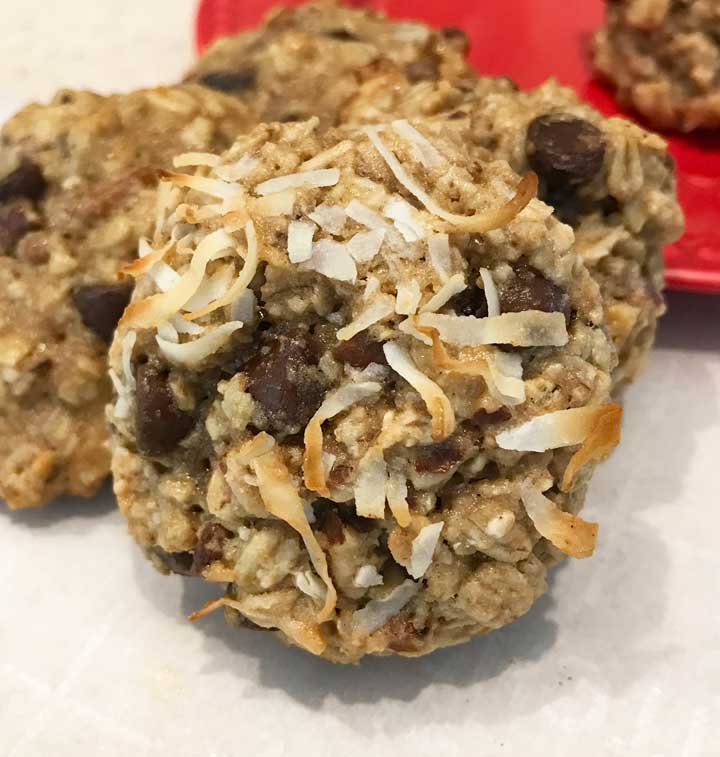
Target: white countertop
622, 657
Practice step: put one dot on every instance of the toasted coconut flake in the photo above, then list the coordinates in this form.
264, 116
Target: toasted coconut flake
423, 549
322, 177
598, 444
159, 307
569, 533
183, 326
370, 484
300, 241
330, 218
439, 252
334, 404
328, 156
168, 332
397, 491
243, 280
147, 258
128, 344
479, 223
278, 204
282, 500
238, 170
192, 159
310, 584
213, 187
403, 215
562, 428
409, 327
530, 328
365, 245
454, 285
164, 276
210, 289
194, 352
501, 372
436, 401
424, 150
377, 612
380, 309
408, 297
332, 259
367, 576
164, 203
365, 216
491, 293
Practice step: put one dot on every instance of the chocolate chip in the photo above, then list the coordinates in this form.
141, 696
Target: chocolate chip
160, 425
175, 562
471, 301
342, 35
360, 351
565, 149
329, 522
284, 380
327, 513
209, 548
425, 69
101, 305
230, 81
13, 227
441, 456
483, 420
26, 180
530, 290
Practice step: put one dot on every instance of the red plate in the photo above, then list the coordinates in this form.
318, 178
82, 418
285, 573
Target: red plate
531, 40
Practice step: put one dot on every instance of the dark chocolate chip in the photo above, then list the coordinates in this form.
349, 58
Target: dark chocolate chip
530, 290
101, 305
441, 456
483, 420
13, 227
160, 425
26, 180
330, 523
233, 82
360, 351
342, 35
284, 380
209, 548
565, 149
471, 301
425, 69
175, 562
345, 512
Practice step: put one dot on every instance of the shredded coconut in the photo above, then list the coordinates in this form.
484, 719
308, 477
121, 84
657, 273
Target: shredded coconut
408, 297
192, 353
378, 611
436, 401
128, 344
365, 245
424, 151
370, 484
439, 252
381, 308
403, 215
423, 549
330, 218
322, 177
397, 491
332, 259
454, 285
491, 293
300, 241
191, 159
239, 169
530, 328
367, 576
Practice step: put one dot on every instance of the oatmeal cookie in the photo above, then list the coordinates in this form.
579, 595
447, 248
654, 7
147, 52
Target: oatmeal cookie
309, 60
77, 187
663, 57
612, 181
362, 385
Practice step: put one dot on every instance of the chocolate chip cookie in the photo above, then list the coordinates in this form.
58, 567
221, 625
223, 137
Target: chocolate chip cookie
362, 385
663, 58
77, 188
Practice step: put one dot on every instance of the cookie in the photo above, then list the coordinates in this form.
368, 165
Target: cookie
309, 60
77, 187
663, 58
610, 180
369, 403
